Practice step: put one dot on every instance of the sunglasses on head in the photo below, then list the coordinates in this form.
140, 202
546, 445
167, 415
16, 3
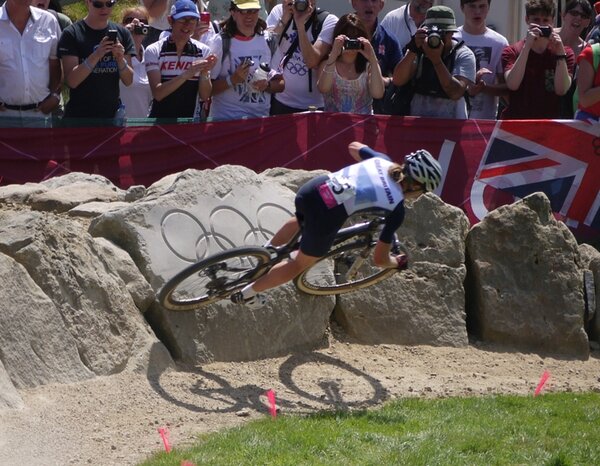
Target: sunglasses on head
109, 4
130, 19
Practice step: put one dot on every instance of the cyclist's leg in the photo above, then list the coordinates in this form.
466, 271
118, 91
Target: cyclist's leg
284, 272
285, 233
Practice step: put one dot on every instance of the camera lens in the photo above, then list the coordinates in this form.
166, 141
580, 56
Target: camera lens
434, 40
300, 5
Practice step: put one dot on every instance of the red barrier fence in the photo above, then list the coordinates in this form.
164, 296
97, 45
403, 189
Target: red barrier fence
487, 163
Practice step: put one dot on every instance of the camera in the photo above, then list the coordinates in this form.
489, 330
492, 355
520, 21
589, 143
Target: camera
300, 5
141, 29
546, 31
434, 37
352, 44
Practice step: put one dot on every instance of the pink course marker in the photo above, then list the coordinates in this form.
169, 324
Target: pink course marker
164, 434
543, 379
272, 406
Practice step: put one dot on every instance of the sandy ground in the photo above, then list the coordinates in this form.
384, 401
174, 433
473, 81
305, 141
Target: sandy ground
115, 420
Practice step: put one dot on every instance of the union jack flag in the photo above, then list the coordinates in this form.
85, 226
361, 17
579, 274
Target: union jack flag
559, 158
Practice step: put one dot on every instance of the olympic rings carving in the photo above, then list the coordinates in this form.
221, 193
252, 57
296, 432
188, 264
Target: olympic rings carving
178, 226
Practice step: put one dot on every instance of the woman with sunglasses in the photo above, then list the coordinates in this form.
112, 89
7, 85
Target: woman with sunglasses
576, 19
137, 97
241, 47
94, 64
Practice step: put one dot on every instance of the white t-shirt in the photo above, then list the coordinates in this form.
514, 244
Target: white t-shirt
488, 53
241, 100
136, 97
440, 107
297, 93
400, 24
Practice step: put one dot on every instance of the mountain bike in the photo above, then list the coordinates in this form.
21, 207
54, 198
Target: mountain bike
346, 267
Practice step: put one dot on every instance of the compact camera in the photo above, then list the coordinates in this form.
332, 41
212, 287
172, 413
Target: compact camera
300, 5
546, 31
434, 37
352, 44
141, 29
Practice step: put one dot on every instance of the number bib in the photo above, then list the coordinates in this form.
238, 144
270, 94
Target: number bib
337, 190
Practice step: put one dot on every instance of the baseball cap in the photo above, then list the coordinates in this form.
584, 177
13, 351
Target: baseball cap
246, 4
442, 17
184, 9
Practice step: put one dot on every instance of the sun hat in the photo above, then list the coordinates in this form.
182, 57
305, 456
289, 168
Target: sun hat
246, 4
184, 9
442, 17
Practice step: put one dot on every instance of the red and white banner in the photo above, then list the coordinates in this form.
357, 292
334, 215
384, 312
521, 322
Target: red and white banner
487, 163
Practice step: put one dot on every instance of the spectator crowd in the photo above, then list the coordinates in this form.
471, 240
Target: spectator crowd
233, 59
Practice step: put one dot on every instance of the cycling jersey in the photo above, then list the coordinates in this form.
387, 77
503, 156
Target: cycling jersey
324, 203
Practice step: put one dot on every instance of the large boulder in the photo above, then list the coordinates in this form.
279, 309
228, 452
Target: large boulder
37, 347
9, 396
526, 280
76, 312
426, 303
187, 217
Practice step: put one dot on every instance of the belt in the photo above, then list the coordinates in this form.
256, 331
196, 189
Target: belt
20, 107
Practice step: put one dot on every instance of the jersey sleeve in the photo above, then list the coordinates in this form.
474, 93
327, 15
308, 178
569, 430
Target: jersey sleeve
368, 153
392, 223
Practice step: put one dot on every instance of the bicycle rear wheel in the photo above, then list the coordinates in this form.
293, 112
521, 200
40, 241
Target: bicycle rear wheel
213, 278
346, 268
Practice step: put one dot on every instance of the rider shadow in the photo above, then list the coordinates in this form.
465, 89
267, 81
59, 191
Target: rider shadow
317, 381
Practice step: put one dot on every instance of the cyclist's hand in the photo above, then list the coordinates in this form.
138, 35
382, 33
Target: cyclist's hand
402, 261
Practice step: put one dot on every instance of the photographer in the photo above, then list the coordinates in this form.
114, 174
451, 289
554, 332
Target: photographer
439, 68
137, 97
538, 69
305, 38
350, 78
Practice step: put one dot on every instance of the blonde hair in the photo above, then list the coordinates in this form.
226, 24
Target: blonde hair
396, 172
135, 11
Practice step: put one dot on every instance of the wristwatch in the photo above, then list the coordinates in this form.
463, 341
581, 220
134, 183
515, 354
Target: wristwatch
55, 95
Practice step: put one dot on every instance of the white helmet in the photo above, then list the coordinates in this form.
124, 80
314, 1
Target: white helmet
424, 169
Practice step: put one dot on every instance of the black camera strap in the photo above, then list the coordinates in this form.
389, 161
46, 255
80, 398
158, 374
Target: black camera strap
315, 23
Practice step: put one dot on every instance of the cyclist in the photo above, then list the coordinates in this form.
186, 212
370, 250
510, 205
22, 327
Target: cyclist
324, 203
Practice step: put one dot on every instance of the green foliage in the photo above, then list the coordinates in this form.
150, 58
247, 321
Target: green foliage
77, 10
551, 430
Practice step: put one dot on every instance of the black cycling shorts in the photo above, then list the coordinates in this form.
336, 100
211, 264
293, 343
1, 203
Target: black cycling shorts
319, 223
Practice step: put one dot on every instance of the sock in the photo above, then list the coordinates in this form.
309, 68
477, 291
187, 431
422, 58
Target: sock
248, 292
267, 244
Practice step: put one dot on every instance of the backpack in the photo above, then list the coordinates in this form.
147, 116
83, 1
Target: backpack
315, 22
596, 62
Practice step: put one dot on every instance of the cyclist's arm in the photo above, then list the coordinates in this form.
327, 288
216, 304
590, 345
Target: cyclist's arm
381, 254
360, 152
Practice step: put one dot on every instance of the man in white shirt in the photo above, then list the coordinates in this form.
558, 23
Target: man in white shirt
487, 45
403, 22
299, 54
30, 72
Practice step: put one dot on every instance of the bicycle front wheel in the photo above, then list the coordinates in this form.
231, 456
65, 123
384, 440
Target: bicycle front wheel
213, 278
346, 268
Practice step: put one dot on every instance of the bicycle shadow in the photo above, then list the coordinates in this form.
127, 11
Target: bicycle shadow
312, 381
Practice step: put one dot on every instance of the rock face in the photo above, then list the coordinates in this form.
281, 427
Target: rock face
186, 218
81, 262
426, 303
591, 262
526, 288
